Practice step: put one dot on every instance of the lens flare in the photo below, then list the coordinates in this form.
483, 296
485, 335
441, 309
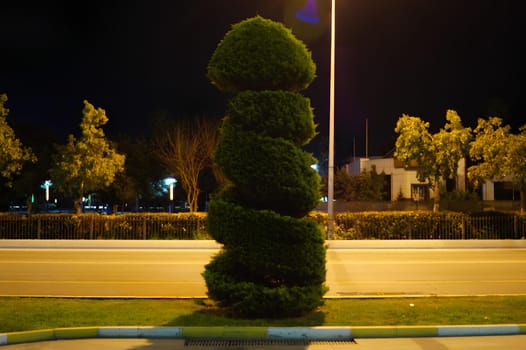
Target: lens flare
309, 13
308, 19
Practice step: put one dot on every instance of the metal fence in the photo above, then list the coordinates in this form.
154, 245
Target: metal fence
460, 226
394, 225
93, 226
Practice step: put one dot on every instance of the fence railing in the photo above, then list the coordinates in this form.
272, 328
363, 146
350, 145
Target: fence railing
367, 225
94, 226
429, 226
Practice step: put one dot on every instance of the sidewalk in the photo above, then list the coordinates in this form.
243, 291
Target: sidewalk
464, 343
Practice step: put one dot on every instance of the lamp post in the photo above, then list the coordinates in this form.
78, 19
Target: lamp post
330, 190
307, 14
170, 181
46, 185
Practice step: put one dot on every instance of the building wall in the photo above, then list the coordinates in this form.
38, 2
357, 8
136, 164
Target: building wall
488, 191
401, 178
461, 175
492, 190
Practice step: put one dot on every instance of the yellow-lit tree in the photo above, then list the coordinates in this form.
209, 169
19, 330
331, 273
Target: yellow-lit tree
498, 153
13, 154
89, 163
436, 155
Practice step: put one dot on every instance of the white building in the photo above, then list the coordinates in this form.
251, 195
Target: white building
499, 189
402, 180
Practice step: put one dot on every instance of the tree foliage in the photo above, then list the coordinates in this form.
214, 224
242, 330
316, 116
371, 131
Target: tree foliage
141, 166
436, 155
367, 186
133, 186
498, 153
13, 154
185, 148
89, 163
273, 259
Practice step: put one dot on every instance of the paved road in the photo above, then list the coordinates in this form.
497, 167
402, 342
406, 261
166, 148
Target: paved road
448, 343
426, 271
175, 271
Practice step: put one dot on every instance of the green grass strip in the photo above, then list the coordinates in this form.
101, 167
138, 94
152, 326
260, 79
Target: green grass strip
26, 314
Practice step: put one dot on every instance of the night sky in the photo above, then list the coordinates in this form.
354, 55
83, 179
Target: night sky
144, 58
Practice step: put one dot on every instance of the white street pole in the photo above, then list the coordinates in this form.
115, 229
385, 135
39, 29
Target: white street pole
330, 195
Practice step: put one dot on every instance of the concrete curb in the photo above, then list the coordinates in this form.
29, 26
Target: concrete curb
288, 333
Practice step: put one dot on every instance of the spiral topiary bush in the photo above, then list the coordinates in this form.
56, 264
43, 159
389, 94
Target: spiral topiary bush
273, 259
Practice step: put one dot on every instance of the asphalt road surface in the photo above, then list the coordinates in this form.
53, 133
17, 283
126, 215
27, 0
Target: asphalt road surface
176, 272
426, 272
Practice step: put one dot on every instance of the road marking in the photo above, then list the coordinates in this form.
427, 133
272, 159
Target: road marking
355, 282
105, 262
179, 250
97, 282
426, 262
200, 262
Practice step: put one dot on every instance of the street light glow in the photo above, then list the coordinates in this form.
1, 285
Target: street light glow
170, 182
46, 185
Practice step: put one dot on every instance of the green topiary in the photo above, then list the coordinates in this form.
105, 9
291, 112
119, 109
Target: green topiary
260, 54
269, 173
273, 258
275, 114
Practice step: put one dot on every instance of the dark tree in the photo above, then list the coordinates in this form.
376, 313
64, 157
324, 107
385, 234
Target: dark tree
273, 259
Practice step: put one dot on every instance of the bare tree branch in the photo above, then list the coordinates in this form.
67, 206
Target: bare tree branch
185, 149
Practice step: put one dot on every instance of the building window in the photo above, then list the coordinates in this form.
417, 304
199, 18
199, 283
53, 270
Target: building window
419, 192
